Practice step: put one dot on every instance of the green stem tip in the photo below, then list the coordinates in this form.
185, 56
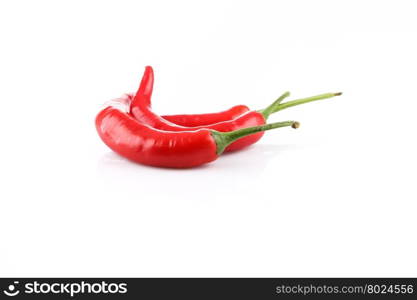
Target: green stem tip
224, 139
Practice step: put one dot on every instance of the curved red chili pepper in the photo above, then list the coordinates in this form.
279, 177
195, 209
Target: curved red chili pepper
194, 120
141, 110
182, 149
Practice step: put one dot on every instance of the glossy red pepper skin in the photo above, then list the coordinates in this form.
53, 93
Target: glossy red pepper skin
140, 108
146, 145
195, 120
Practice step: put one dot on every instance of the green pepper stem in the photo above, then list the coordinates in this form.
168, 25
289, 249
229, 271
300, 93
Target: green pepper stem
285, 105
266, 112
224, 139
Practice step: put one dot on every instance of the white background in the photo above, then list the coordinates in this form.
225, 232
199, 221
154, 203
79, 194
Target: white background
335, 198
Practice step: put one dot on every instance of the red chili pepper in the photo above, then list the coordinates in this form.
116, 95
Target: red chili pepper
141, 110
195, 120
182, 149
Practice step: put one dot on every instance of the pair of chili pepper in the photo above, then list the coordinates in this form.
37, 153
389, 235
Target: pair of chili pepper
130, 127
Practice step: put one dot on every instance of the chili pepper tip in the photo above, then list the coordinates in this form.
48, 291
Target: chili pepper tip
295, 125
338, 94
